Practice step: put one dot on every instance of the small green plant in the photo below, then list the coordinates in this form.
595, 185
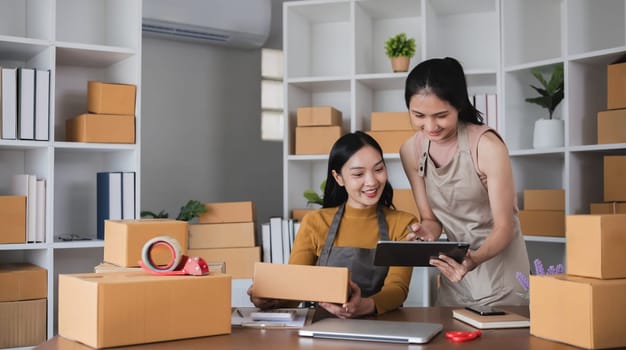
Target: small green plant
551, 90
192, 209
313, 197
400, 45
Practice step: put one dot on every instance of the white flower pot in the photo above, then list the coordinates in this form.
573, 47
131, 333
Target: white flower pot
548, 133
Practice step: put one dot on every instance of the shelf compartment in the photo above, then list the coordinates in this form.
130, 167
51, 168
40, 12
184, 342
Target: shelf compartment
302, 175
319, 39
592, 26
375, 22
539, 171
378, 95
479, 21
34, 161
26, 19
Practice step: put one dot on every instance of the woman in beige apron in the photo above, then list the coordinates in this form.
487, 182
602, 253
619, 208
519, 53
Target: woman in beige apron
461, 177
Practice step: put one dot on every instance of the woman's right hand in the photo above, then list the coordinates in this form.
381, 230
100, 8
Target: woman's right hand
419, 232
264, 303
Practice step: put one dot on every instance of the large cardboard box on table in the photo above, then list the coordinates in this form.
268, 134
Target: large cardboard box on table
318, 116
123, 308
239, 261
23, 281
552, 199
607, 208
542, 222
124, 240
301, 282
22, 323
614, 175
390, 141
581, 311
12, 219
221, 212
596, 246
316, 139
612, 126
111, 98
616, 84
387, 121
226, 235
104, 128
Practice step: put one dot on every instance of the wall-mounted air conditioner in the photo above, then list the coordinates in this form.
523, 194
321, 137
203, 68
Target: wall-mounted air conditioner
238, 23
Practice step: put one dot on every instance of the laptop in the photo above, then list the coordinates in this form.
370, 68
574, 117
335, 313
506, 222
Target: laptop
372, 330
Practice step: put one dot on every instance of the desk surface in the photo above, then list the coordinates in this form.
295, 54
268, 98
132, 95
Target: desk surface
274, 339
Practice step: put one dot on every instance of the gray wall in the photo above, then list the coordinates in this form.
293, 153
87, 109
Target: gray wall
201, 127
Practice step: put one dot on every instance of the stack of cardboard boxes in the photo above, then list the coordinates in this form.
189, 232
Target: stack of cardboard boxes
110, 117
543, 213
317, 129
585, 307
23, 305
390, 129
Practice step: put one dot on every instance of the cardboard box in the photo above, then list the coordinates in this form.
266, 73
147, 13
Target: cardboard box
301, 282
110, 98
124, 240
584, 312
612, 126
103, 128
614, 175
222, 212
22, 323
388, 121
23, 281
544, 199
239, 261
226, 235
616, 84
403, 200
607, 208
316, 139
115, 309
298, 214
12, 219
596, 246
542, 222
390, 141
318, 116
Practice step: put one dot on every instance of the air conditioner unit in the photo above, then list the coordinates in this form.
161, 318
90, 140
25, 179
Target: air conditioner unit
237, 23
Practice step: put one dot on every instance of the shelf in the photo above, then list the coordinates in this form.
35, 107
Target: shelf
545, 239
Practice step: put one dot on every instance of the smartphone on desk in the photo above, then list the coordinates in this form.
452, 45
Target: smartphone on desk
485, 310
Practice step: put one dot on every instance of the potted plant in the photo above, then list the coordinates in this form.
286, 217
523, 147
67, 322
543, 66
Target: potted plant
192, 209
548, 132
400, 48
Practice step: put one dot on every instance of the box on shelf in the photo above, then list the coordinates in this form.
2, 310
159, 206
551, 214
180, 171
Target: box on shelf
318, 116
388, 121
316, 139
612, 126
301, 282
23, 281
390, 141
298, 214
607, 208
226, 235
221, 212
584, 312
616, 84
403, 200
596, 245
12, 219
124, 308
239, 261
111, 98
553, 199
614, 175
542, 222
22, 323
103, 128
124, 240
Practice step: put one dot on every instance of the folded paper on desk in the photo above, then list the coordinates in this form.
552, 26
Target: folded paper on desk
508, 320
242, 316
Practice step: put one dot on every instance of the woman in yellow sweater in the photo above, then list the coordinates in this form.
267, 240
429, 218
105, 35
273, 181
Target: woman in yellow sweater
357, 212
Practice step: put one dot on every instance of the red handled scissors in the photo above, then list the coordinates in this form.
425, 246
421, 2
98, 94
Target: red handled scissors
461, 336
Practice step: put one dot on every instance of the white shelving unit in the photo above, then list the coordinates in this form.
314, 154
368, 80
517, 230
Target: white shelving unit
334, 55
77, 41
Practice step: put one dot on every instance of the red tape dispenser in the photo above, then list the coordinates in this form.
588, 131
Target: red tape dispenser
180, 264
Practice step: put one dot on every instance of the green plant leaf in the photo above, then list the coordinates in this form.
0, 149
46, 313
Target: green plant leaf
312, 197
148, 214
400, 45
551, 91
192, 209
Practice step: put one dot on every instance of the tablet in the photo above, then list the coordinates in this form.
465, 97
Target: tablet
417, 253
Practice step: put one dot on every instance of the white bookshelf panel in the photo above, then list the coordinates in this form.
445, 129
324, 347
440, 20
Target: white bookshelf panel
541, 171
592, 27
395, 173
377, 95
532, 30
35, 161
27, 19
302, 175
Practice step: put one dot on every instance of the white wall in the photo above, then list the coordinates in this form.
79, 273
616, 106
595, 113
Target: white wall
201, 129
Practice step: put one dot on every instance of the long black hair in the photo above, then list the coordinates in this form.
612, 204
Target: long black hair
445, 78
343, 149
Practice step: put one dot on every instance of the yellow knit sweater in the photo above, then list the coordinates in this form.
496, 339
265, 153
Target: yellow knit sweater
358, 228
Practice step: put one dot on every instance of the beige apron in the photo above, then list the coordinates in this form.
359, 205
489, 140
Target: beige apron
461, 203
